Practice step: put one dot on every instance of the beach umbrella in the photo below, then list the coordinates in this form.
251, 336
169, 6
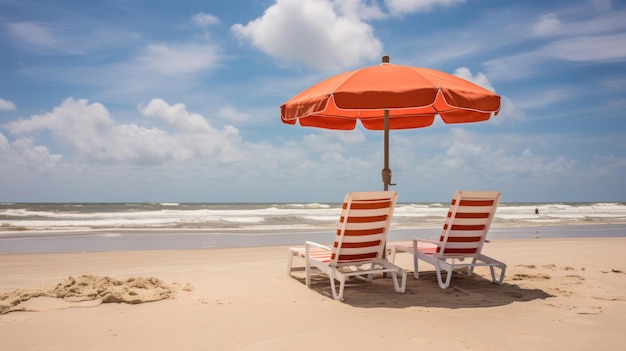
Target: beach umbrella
389, 97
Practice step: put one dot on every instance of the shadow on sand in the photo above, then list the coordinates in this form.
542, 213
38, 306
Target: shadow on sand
464, 292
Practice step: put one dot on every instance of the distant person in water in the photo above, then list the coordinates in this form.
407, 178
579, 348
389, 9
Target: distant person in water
536, 210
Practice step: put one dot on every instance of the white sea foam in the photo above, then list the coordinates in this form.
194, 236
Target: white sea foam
266, 216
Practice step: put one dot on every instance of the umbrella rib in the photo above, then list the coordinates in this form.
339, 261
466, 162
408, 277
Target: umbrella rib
332, 92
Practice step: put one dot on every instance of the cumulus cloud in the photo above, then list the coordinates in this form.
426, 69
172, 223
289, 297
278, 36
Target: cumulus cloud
6, 105
311, 33
400, 7
232, 114
22, 154
177, 115
360, 9
478, 79
4, 143
91, 133
486, 157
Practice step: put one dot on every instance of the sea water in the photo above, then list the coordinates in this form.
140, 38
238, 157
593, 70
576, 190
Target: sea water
53, 227
81, 216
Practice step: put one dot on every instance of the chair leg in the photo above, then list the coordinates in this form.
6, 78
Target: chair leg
493, 276
470, 269
370, 276
400, 287
290, 262
392, 254
438, 269
307, 268
416, 272
342, 282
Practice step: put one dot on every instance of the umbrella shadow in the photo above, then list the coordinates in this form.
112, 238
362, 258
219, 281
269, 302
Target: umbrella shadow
464, 292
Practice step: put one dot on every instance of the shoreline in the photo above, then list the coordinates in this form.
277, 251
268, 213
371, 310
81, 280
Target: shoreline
103, 240
176, 239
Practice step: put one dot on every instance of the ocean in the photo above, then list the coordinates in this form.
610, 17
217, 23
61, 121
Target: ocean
61, 227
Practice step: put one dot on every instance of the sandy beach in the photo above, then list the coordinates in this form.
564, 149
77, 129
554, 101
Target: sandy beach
558, 294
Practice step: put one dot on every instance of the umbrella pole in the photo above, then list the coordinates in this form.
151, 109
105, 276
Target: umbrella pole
386, 170
386, 173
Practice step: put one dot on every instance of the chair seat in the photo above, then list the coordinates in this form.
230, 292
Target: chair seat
318, 253
407, 246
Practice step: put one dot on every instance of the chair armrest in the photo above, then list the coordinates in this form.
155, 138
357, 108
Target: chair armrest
416, 240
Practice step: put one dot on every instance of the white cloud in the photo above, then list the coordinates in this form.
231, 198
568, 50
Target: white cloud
204, 19
22, 157
177, 115
4, 143
546, 97
509, 112
589, 48
89, 132
180, 58
548, 25
477, 156
578, 33
158, 70
34, 156
6, 105
478, 79
400, 7
609, 165
232, 114
515, 67
615, 83
70, 36
34, 33
360, 9
593, 23
311, 33
602, 5
603, 48
68, 120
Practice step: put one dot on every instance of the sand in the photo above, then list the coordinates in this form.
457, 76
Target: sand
558, 294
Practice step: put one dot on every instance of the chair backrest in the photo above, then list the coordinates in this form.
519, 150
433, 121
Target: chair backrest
363, 227
467, 223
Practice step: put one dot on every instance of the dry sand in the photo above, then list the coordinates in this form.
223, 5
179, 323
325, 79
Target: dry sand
558, 294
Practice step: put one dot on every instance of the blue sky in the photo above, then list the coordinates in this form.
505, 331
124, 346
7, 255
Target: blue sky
143, 100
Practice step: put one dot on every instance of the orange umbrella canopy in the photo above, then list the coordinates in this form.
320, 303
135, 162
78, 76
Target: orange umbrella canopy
387, 97
411, 95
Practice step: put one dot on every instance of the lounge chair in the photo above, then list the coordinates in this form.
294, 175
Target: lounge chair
462, 238
359, 244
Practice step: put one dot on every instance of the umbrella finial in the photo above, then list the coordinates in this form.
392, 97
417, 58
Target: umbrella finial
386, 59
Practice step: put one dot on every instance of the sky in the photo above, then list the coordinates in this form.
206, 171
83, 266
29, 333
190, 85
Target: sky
179, 101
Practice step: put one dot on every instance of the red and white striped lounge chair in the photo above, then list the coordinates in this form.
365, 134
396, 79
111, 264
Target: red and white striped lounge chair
359, 245
462, 238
